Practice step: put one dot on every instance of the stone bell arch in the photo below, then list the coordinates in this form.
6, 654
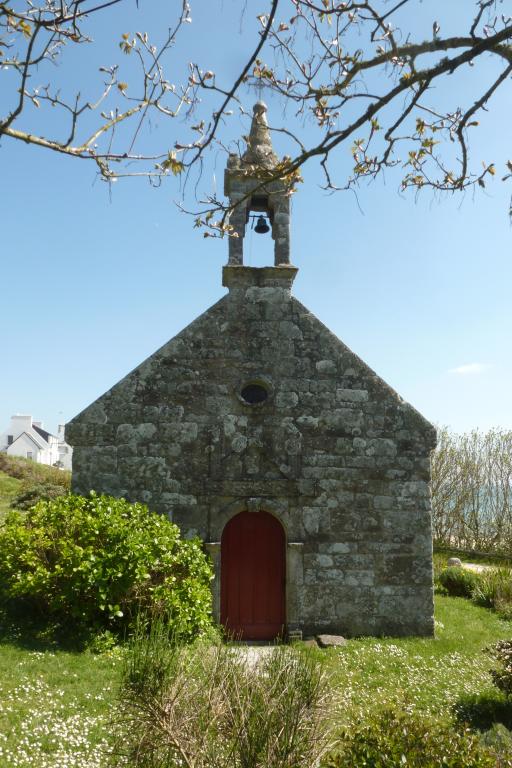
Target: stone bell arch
247, 191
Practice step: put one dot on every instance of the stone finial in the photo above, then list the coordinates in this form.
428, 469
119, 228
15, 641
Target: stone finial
259, 147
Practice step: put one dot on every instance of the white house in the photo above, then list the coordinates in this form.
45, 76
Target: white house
27, 438
65, 450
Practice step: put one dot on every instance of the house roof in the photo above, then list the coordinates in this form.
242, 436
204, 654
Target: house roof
30, 437
42, 432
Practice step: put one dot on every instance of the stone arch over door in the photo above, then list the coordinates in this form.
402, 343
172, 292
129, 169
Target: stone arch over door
253, 576
280, 509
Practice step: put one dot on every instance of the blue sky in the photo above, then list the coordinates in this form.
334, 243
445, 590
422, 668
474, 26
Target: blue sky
92, 284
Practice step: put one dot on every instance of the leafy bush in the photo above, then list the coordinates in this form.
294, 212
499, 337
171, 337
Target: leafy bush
494, 590
483, 710
398, 739
94, 561
491, 588
212, 706
30, 494
458, 582
498, 740
502, 676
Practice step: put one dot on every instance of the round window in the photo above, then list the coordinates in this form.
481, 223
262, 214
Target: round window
254, 393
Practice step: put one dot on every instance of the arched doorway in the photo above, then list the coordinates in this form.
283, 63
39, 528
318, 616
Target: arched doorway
253, 576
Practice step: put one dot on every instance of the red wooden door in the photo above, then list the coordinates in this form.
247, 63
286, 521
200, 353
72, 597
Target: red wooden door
253, 572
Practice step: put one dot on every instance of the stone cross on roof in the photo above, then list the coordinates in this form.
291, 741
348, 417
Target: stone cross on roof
248, 191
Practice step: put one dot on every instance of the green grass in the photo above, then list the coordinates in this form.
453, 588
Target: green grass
430, 676
56, 705
18, 474
9, 488
32, 473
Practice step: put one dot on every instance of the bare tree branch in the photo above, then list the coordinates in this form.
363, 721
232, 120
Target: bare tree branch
350, 71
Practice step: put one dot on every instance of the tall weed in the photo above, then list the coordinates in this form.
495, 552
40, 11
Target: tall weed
211, 706
494, 590
491, 588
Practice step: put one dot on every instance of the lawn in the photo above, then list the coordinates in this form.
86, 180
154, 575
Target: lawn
427, 676
56, 704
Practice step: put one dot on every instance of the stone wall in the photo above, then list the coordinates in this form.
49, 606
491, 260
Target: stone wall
333, 452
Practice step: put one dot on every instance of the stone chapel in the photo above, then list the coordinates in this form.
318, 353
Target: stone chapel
258, 430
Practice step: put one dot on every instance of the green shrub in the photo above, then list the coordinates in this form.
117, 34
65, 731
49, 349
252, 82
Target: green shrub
502, 676
491, 588
458, 582
95, 561
31, 494
494, 590
482, 710
399, 739
498, 740
210, 705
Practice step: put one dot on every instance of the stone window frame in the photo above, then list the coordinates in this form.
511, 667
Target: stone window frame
261, 381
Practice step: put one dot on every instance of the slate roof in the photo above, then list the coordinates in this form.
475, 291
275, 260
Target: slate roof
42, 432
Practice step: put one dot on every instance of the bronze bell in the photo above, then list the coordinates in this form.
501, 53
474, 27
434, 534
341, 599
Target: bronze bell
261, 226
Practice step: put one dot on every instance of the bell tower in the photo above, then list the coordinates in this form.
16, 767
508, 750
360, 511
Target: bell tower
250, 194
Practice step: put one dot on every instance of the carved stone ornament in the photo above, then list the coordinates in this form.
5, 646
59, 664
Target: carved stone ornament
259, 147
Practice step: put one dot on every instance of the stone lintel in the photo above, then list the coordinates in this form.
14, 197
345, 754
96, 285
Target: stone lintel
238, 276
242, 182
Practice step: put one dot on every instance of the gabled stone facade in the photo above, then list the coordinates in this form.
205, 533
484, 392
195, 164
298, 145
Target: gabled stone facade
329, 449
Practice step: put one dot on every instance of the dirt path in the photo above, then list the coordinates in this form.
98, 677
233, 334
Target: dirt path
478, 567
